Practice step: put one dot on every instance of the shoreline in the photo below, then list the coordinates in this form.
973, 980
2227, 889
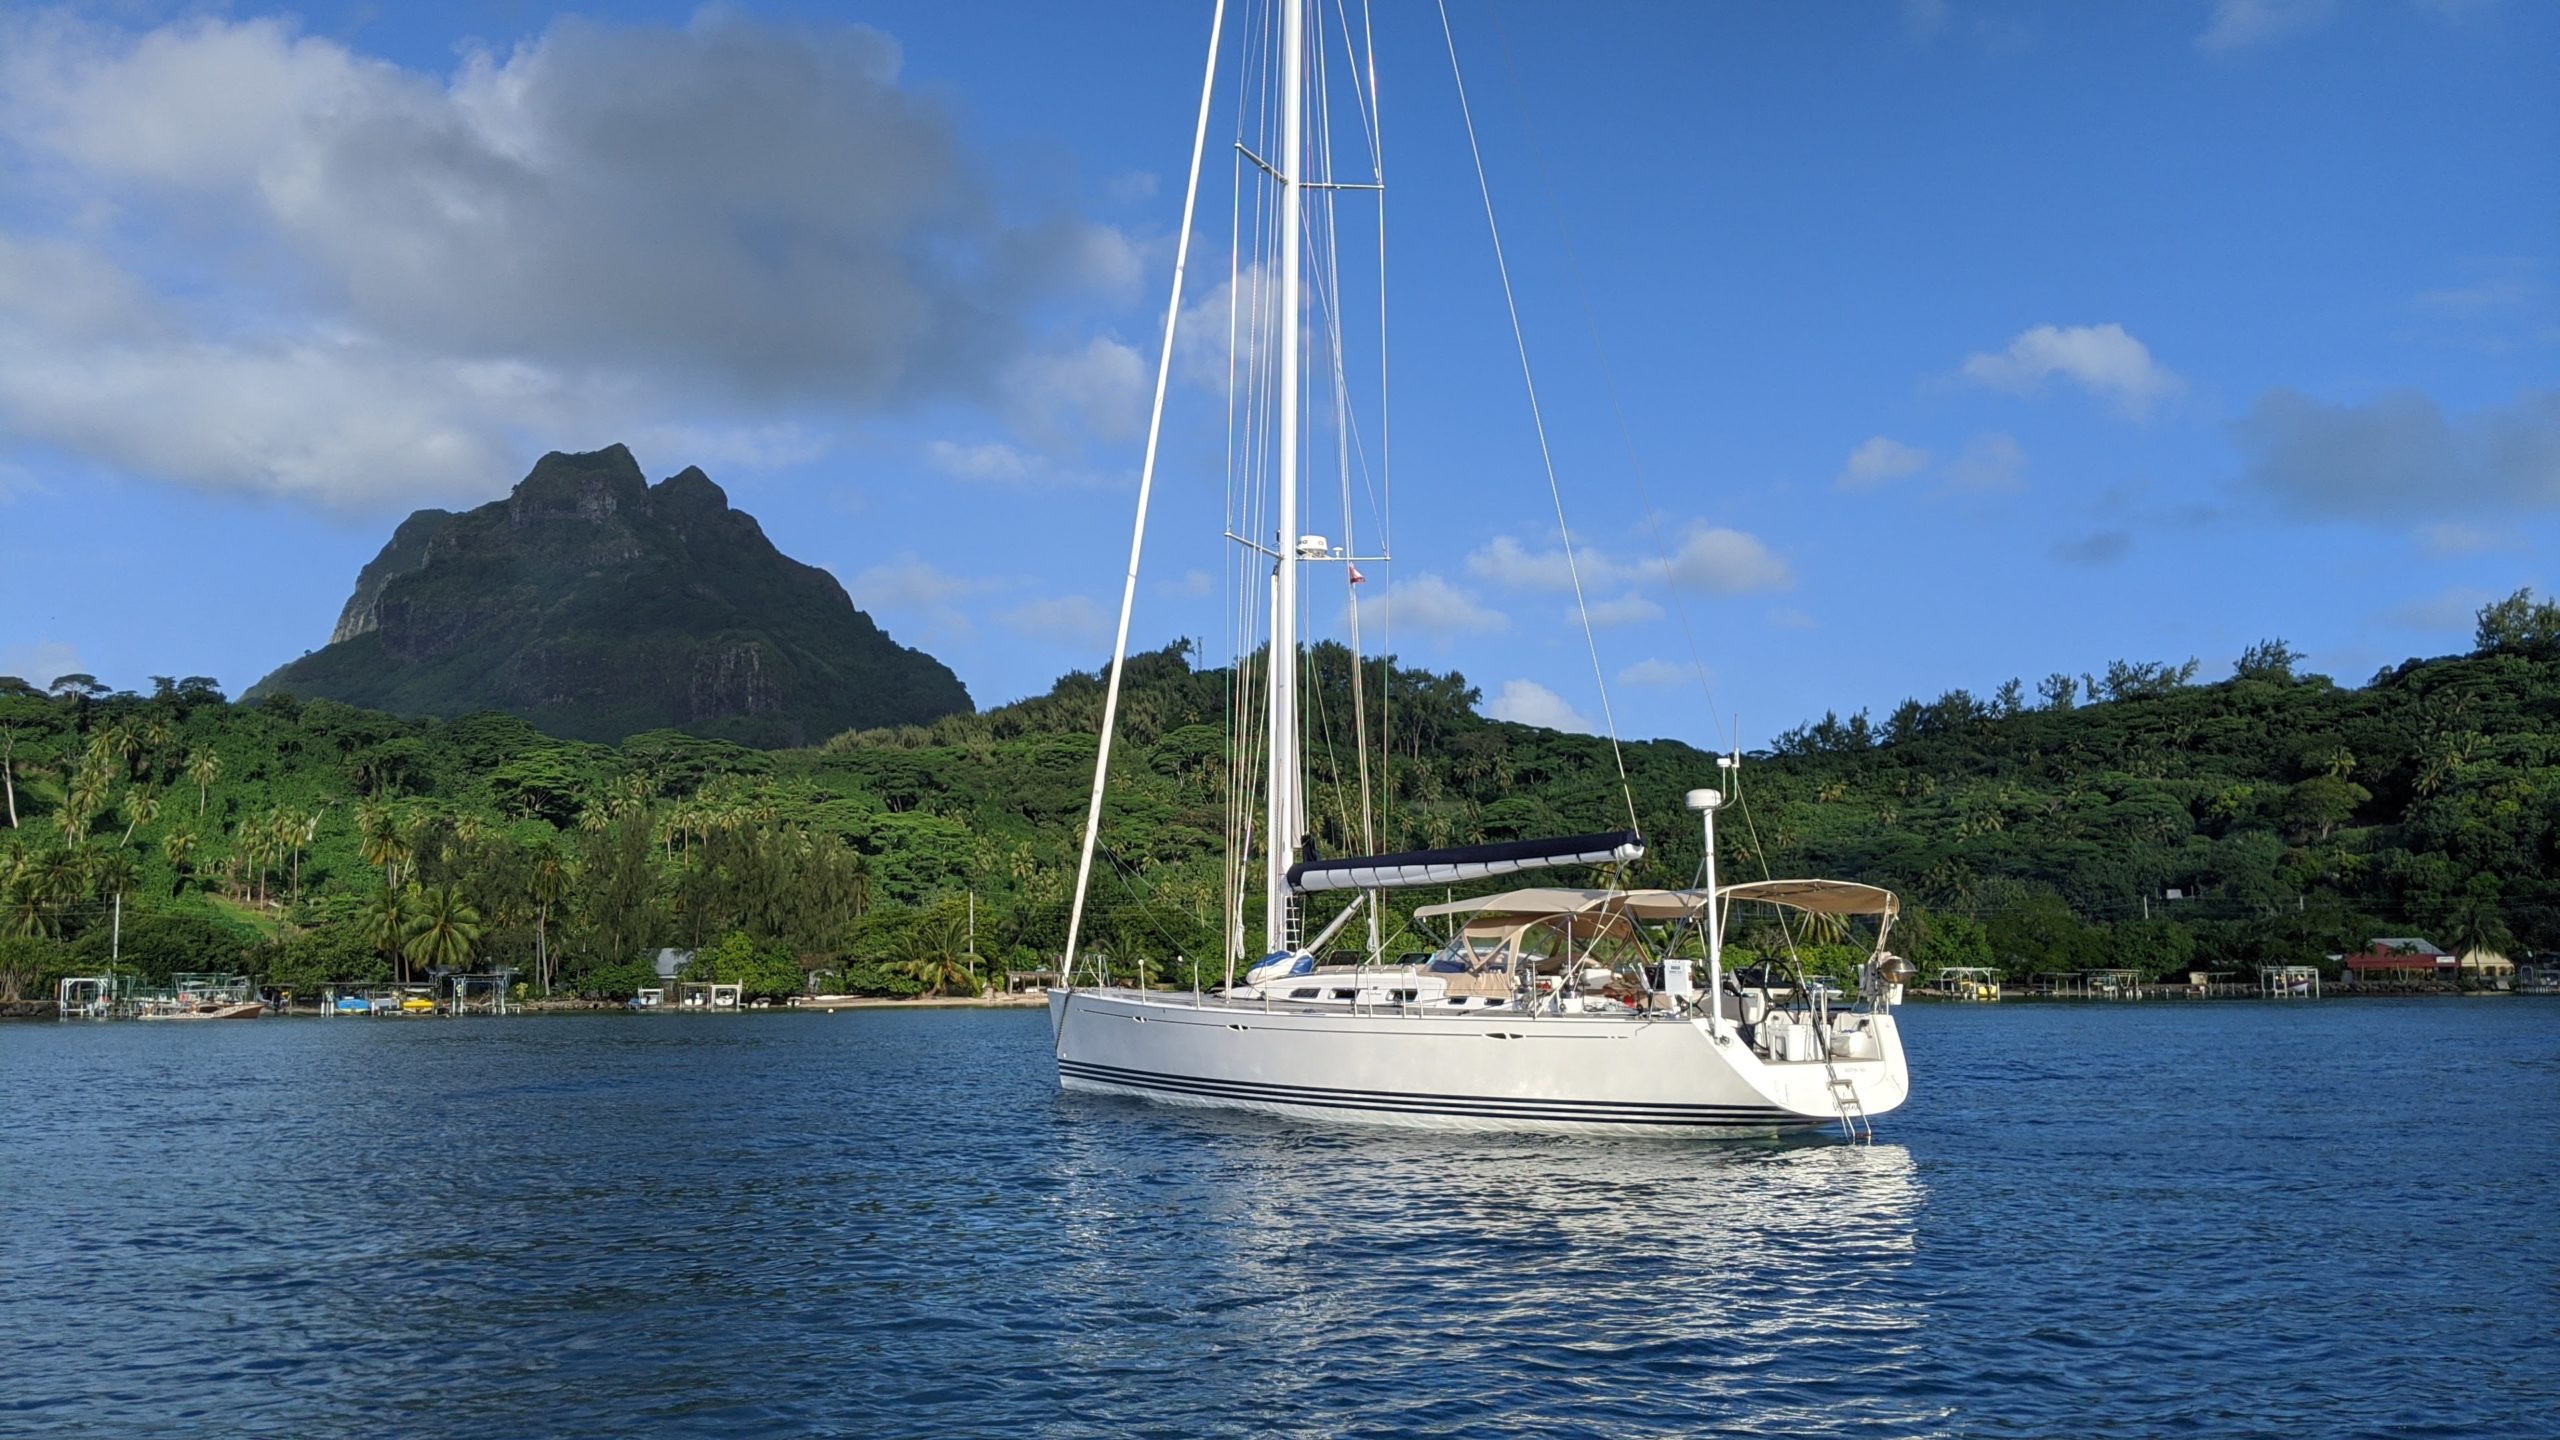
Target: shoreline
1030, 1000
1020, 1001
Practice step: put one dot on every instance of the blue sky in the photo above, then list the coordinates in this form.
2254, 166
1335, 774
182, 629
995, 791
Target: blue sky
1952, 341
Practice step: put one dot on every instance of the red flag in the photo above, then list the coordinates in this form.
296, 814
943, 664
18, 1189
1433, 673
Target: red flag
1356, 576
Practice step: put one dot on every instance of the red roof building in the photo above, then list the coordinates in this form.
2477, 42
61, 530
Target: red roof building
2400, 958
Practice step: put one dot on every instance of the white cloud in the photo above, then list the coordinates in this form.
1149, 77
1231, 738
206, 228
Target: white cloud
1194, 585
989, 462
1790, 618
2449, 539
2243, 24
1708, 557
909, 582
1992, 461
1060, 619
1878, 460
2504, 305
911, 588
1655, 672
1506, 561
1000, 465
1526, 702
1625, 610
1434, 607
1099, 258
2502, 287
398, 283
2101, 359
1923, 19
1100, 389
42, 663
332, 419
2398, 457
734, 447
1728, 562
2455, 610
1131, 186
1244, 306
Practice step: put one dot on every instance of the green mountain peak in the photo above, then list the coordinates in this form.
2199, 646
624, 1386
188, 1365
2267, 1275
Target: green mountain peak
597, 605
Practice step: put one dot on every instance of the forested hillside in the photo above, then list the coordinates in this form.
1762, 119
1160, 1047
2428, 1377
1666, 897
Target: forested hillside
312, 841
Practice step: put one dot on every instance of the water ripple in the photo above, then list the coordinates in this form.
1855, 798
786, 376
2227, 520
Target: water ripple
2100, 1221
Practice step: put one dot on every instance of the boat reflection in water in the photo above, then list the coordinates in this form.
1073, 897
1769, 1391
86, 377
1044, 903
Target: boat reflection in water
1403, 1282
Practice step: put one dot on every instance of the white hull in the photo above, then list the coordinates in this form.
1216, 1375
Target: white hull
1585, 1074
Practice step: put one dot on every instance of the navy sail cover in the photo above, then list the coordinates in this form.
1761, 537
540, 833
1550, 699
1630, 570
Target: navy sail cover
1461, 863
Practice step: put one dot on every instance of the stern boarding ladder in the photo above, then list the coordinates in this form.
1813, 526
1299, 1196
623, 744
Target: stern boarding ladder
1854, 1124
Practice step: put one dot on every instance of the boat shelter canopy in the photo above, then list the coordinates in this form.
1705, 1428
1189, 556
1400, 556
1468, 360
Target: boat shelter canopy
1818, 897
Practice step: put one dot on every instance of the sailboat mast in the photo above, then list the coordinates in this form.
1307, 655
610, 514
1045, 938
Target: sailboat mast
1282, 822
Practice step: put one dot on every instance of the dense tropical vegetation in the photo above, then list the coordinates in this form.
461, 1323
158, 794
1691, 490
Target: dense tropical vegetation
309, 841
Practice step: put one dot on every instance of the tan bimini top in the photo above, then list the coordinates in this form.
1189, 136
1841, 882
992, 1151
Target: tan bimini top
1818, 897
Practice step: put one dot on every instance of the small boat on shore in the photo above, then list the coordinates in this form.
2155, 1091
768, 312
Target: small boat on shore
183, 1008
1964, 982
202, 996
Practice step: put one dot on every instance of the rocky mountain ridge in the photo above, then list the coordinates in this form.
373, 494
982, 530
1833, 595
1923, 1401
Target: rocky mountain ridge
596, 606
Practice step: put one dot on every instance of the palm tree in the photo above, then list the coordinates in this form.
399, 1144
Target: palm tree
257, 846
374, 833
298, 832
1825, 927
203, 767
549, 882
8, 772
443, 931
180, 846
857, 882
109, 873
385, 842
2479, 927
935, 954
22, 896
126, 736
631, 795
141, 807
384, 923
88, 792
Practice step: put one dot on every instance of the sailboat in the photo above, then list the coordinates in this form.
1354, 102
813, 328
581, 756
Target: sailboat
1548, 1007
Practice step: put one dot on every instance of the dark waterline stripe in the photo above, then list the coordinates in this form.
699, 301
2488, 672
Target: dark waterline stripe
1778, 1120
1668, 1107
1593, 1112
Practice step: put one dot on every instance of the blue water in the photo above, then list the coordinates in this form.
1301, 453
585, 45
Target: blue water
2225, 1219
